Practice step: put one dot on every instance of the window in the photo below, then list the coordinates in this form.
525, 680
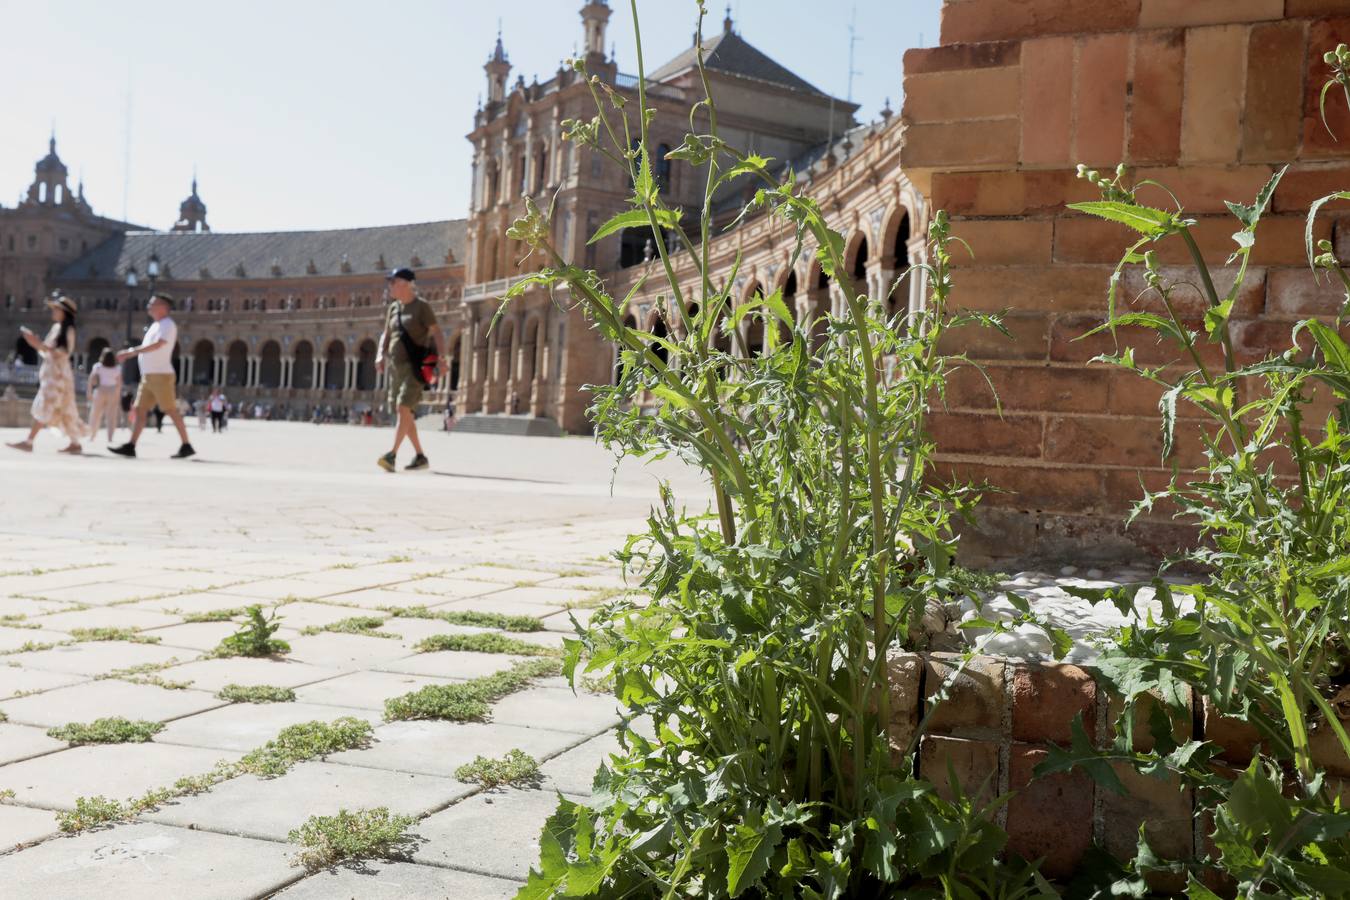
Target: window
64, 244
520, 174
661, 168
32, 242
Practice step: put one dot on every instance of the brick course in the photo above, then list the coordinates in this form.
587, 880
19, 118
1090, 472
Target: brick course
1208, 97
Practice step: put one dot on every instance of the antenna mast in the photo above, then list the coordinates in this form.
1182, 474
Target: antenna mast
852, 46
126, 154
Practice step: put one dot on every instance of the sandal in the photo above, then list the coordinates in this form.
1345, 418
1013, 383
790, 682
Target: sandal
73, 450
25, 446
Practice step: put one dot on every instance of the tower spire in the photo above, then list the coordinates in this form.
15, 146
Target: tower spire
594, 20
498, 68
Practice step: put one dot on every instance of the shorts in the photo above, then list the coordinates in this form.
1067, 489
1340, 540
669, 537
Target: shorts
156, 390
405, 388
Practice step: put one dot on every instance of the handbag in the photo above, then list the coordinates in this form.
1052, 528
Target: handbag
424, 360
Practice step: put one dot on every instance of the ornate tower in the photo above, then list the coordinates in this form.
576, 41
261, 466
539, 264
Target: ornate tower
594, 19
49, 187
192, 213
498, 68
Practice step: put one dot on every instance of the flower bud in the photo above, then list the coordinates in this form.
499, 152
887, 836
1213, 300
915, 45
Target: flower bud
1329, 58
1324, 245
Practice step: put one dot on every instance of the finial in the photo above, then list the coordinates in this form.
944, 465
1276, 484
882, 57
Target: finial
886, 111
51, 142
194, 179
727, 23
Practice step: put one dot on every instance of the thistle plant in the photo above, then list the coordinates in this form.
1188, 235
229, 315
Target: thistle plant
762, 656
1262, 637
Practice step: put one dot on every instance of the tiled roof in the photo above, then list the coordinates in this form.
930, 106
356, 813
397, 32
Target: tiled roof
288, 254
729, 52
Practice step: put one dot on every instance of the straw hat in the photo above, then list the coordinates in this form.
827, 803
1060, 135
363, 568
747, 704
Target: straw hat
58, 301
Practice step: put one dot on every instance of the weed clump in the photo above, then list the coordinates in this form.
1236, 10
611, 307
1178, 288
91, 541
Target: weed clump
109, 730
91, 812
516, 767
367, 626
486, 642
255, 637
469, 700
364, 834
215, 615
112, 634
255, 693
307, 740
470, 617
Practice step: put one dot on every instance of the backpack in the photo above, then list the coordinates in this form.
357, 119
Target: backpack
424, 360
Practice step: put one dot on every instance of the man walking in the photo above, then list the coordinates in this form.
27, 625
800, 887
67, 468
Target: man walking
410, 330
155, 358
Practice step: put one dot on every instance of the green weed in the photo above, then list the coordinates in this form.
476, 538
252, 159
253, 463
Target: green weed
307, 740
470, 700
110, 730
516, 767
215, 615
367, 626
255, 693
112, 634
520, 624
364, 834
484, 642
254, 638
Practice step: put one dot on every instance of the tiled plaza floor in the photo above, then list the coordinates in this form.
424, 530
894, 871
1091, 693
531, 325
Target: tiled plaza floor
296, 516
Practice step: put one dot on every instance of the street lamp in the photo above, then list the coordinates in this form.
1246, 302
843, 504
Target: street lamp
129, 368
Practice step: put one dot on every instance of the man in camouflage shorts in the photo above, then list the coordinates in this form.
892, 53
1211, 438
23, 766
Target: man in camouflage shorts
409, 320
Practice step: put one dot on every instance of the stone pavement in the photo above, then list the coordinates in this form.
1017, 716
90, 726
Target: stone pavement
299, 517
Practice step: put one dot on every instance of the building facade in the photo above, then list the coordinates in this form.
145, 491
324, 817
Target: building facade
292, 318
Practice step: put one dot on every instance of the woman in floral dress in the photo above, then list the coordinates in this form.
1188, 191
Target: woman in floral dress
54, 404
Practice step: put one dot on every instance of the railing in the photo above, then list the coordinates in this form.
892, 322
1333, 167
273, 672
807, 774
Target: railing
654, 89
486, 290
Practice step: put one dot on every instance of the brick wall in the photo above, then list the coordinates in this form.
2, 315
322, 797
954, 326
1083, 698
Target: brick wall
1206, 96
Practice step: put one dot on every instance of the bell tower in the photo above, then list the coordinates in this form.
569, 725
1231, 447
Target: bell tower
192, 213
49, 187
498, 69
594, 19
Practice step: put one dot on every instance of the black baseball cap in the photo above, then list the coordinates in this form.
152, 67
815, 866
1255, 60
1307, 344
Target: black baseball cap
405, 274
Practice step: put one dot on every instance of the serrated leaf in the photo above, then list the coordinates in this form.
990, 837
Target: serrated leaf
1144, 219
1312, 218
749, 847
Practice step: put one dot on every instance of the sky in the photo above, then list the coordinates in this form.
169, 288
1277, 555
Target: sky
303, 114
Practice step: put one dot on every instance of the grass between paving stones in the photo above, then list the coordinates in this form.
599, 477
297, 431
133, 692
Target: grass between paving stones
294, 744
18, 620
468, 700
112, 634
484, 642
254, 638
255, 693
516, 767
214, 615
109, 730
519, 624
364, 834
36, 646
144, 674
367, 626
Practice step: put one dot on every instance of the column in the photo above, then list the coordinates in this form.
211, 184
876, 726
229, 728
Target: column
189, 363
314, 375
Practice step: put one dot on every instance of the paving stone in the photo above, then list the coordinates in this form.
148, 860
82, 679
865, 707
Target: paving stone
105, 617
400, 881
99, 657
146, 860
180, 582
22, 825
492, 603
573, 772
15, 680
469, 834
448, 588
243, 726
546, 595
312, 615
365, 690
109, 697
596, 582
200, 636
100, 594
414, 630
542, 638
271, 807
23, 606
562, 621
439, 748
22, 741
375, 575
50, 581
348, 651
282, 588
380, 598
580, 713
504, 575
14, 638
452, 664
186, 604
214, 674
117, 771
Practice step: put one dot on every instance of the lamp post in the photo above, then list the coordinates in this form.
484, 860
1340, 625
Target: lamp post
129, 368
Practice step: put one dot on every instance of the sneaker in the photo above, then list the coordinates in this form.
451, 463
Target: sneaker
419, 462
386, 462
184, 452
127, 449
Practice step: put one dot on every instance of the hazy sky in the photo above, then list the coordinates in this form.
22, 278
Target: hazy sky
310, 114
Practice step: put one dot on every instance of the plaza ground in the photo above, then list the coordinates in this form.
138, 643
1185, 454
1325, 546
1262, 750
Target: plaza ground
295, 514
